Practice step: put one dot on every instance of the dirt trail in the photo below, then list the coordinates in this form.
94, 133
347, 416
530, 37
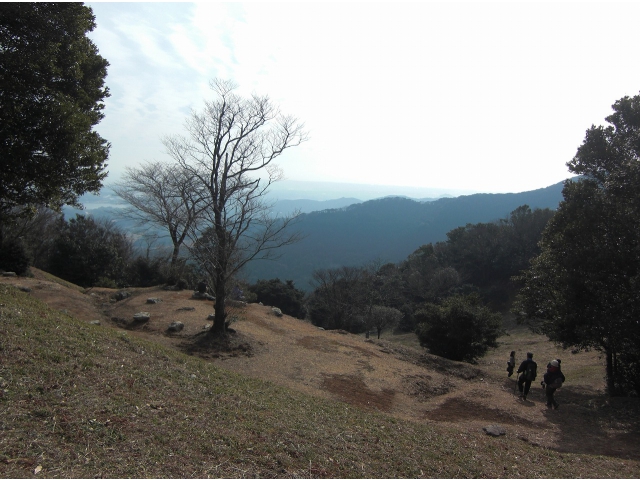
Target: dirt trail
379, 375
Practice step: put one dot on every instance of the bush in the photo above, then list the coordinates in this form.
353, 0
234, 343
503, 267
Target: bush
461, 328
89, 251
285, 296
147, 272
13, 257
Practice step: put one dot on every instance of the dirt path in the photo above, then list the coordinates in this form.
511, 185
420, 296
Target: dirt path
382, 375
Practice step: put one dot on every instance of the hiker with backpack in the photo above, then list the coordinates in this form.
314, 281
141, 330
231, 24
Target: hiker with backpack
553, 380
511, 363
529, 370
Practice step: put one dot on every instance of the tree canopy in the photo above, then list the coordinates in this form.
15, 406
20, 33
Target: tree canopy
460, 328
51, 93
582, 290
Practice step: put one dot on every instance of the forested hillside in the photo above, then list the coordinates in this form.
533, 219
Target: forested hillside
387, 229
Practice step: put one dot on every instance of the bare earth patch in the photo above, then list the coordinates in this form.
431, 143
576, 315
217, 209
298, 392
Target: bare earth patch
401, 381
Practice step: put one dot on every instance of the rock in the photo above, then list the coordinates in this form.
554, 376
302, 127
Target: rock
494, 430
9, 274
24, 289
202, 296
121, 295
212, 316
175, 327
154, 300
236, 303
141, 317
186, 309
276, 311
95, 322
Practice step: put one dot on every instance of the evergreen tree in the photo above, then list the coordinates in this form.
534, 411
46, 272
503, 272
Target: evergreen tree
582, 290
51, 93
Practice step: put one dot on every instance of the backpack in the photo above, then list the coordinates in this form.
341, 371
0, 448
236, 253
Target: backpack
557, 383
531, 372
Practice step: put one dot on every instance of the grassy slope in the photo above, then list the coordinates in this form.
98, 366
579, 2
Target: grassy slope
79, 400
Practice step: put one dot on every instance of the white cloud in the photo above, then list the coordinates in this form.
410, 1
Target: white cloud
489, 97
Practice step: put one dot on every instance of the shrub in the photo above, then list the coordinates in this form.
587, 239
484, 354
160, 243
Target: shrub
461, 328
13, 257
282, 295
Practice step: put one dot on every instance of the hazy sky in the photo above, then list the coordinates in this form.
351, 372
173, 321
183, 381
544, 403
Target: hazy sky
487, 97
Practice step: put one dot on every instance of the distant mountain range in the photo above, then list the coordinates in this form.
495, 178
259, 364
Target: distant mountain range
348, 231
387, 229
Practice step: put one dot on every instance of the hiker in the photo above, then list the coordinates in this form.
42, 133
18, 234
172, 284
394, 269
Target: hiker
528, 368
557, 360
553, 380
511, 363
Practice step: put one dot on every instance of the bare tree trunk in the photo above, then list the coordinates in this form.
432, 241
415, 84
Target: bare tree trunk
219, 309
611, 384
220, 274
174, 259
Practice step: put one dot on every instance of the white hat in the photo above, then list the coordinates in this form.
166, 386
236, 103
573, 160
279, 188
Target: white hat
554, 363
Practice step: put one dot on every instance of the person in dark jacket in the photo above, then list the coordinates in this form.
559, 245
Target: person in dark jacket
528, 368
553, 379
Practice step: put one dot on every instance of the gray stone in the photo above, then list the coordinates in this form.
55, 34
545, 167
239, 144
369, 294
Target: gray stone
24, 289
202, 296
236, 303
95, 322
494, 430
175, 326
9, 274
141, 317
212, 316
186, 309
121, 295
154, 300
276, 311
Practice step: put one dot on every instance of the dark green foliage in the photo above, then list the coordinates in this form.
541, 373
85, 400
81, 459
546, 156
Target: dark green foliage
37, 232
582, 290
460, 328
147, 272
487, 255
283, 295
51, 93
13, 257
87, 253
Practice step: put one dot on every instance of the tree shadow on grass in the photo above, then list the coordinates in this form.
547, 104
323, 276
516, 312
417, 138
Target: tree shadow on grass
229, 344
595, 424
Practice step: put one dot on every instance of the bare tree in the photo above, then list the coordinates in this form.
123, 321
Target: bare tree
384, 317
231, 148
166, 195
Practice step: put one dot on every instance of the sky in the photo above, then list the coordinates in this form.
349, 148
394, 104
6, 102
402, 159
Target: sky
461, 97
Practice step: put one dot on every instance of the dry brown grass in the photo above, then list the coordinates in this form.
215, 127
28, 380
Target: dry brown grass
285, 399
